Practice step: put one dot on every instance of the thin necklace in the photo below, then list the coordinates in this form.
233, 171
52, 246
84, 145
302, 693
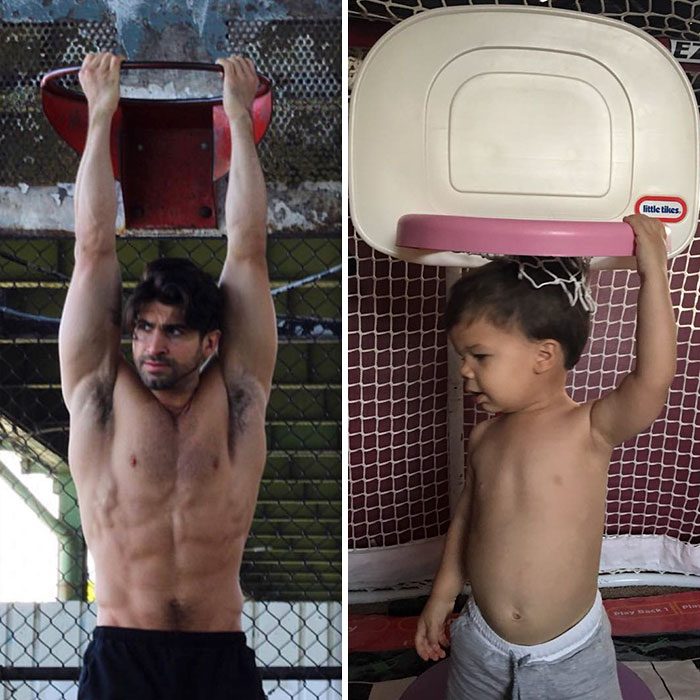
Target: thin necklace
177, 414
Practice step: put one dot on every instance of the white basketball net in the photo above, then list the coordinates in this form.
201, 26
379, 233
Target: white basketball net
571, 274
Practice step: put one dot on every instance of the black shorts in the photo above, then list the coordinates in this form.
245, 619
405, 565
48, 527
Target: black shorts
132, 664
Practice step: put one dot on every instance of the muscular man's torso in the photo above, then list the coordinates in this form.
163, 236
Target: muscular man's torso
536, 523
166, 501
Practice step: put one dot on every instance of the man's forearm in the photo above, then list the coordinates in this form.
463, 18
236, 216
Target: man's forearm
246, 197
95, 192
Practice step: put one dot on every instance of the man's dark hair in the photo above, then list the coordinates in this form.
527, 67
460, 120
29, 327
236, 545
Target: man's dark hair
498, 293
178, 282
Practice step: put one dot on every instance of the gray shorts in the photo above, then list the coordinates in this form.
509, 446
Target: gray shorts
578, 664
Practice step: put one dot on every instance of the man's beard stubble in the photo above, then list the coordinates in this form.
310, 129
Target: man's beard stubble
168, 381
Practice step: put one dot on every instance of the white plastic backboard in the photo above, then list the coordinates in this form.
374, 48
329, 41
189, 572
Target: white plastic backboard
522, 113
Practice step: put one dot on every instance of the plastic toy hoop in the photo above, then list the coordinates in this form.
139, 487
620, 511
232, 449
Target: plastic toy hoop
515, 236
523, 113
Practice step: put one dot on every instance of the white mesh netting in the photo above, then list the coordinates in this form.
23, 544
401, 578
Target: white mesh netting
397, 389
676, 18
398, 393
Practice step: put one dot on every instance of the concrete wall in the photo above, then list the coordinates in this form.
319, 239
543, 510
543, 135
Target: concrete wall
169, 29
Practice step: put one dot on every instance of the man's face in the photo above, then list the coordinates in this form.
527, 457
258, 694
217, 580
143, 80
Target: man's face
166, 352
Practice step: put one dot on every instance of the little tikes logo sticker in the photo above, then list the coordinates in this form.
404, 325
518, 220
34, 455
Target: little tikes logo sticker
669, 209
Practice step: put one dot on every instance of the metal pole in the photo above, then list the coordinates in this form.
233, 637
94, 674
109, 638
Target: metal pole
455, 410
72, 555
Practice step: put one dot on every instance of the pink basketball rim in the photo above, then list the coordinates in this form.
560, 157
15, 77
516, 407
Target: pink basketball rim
470, 234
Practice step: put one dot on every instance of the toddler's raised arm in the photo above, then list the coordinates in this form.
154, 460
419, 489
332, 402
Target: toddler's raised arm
641, 395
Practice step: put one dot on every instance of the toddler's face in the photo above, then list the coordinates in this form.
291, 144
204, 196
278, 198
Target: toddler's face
496, 364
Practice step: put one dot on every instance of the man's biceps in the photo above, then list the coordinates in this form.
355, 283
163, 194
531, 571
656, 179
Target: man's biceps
248, 300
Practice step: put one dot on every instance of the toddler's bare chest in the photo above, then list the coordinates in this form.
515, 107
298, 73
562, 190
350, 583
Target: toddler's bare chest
516, 441
520, 457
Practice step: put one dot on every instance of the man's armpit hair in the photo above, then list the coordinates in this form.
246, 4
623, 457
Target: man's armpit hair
239, 401
100, 399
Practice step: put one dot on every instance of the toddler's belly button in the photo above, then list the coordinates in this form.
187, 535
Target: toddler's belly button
516, 615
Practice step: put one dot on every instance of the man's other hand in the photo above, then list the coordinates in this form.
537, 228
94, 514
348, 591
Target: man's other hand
99, 78
240, 85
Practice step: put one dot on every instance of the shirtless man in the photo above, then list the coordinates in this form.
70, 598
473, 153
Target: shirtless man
167, 456
528, 528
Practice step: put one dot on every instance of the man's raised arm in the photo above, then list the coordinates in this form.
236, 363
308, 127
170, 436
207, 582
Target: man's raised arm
90, 324
249, 339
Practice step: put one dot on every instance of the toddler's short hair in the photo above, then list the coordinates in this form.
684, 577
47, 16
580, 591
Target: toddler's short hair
498, 293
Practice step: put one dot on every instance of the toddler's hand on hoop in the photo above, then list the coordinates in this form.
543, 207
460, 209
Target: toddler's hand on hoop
99, 78
649, 243
240, 85
430, 637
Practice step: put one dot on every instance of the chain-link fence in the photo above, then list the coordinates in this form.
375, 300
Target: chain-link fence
291, 571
